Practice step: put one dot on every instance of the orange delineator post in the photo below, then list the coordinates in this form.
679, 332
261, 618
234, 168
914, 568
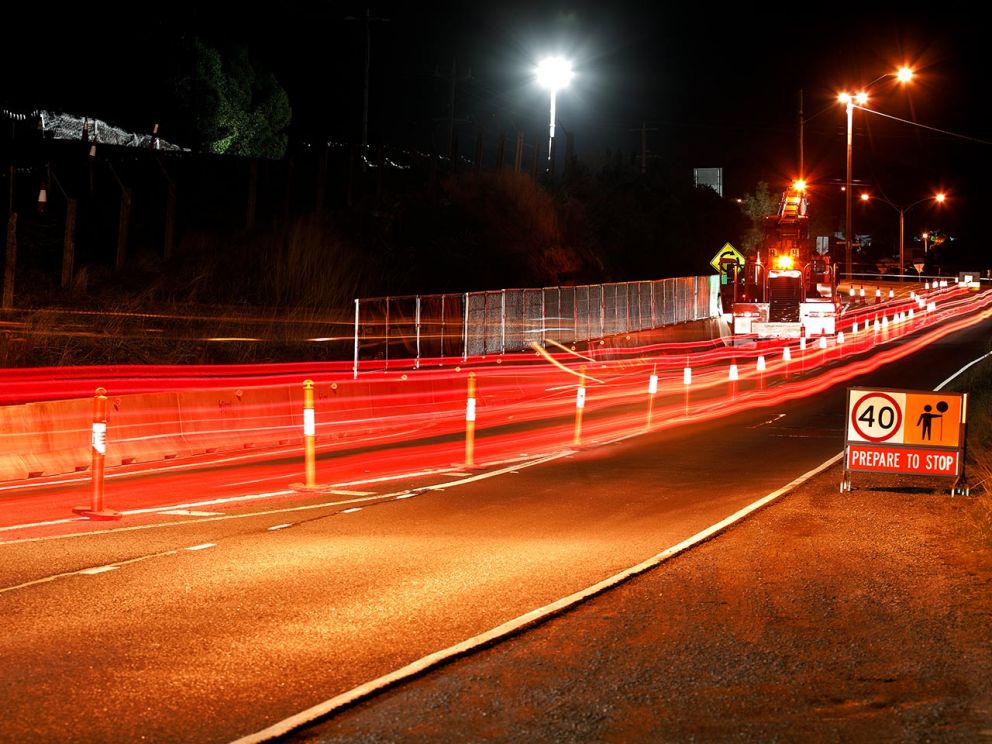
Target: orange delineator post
580, 404
470, 422
309, 434
96, 510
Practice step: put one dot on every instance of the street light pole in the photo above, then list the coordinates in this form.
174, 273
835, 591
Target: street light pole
902, 241
553, 73
903, 75
847, 190
938, 197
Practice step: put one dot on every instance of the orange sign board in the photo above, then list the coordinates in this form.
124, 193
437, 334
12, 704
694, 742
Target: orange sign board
933, 420
905, 431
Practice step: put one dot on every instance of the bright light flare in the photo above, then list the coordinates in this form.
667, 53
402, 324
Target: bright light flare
861, 98
783, 263
799, 184
904, 74
554, 73
940, 198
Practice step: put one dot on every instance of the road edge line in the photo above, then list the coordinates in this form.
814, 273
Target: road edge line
519, 623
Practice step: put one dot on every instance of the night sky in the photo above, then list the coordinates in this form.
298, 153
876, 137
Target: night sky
715, 88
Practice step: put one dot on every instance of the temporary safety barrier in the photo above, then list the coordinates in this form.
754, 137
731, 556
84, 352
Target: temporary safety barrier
478, 324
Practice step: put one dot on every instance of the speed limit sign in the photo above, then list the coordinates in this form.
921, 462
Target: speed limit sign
876, 416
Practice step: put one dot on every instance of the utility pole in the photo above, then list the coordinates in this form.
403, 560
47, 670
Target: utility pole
644, 129
801, 173
368, 19
453, 79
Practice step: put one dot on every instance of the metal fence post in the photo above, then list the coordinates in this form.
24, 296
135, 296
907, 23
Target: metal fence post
386, 334
416, 364
465, 327
502, 321
355, 368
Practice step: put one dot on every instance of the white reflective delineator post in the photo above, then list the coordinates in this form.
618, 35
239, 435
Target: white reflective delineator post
786, 358
652, 391
309, 434
892, 293
861, 294
580, 404
878, 295
470, 422
802, 354
98, 443
761, 371
823, 342
732, 377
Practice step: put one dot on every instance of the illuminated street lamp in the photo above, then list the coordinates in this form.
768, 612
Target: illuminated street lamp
553, 73
939, 198
903, 75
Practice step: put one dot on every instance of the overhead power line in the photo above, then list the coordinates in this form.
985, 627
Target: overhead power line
924, 126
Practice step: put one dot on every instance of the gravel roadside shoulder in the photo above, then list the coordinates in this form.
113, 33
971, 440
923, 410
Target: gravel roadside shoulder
863, 616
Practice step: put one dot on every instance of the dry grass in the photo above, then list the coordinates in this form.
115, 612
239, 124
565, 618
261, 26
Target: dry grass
977, 382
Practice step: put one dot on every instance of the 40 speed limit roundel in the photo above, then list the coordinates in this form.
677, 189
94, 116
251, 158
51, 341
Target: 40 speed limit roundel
876, 417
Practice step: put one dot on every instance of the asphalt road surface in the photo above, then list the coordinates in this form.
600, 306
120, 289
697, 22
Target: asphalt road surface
207, 627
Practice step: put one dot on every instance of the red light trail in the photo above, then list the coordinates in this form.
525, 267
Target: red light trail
391, 422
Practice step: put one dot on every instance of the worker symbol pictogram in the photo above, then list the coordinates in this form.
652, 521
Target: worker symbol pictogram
933, 419
925, 420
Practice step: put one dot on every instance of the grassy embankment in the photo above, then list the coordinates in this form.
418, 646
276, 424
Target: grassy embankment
977, 382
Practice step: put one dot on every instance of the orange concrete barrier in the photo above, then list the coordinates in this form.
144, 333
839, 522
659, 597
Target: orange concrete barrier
144, 428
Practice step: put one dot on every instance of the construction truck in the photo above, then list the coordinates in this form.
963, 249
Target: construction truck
785, 288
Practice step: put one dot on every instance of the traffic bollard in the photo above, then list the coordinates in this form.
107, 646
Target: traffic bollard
652, 391
470, 422
98, 441
580, 404
309, 434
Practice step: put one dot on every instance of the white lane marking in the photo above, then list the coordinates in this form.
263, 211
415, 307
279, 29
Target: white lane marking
769, 421
343, 492
188, 513
50, 523
202, 546
284, 510
87, 571
455, 474
404, 496
961, 371
97, 570
280, 526
352, 510
210, 502
514, 626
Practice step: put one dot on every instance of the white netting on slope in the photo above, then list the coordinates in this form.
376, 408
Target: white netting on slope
67, 126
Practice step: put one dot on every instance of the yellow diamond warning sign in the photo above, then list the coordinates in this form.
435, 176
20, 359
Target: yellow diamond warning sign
728, 252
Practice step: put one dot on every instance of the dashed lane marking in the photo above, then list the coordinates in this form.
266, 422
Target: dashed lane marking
188, 513
514, 626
